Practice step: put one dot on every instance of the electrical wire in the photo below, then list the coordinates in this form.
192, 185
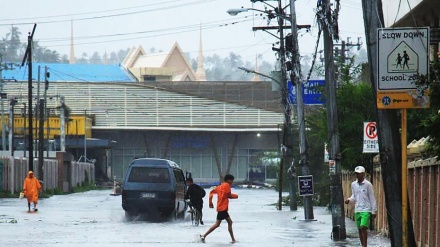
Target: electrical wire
88, 13
109, 16
398, 10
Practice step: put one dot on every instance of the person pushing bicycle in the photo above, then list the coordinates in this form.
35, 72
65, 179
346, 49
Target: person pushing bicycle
195, 194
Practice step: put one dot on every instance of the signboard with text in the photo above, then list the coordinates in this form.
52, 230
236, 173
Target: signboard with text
371, 142
311, 92
417, 98
402, 56
305, 185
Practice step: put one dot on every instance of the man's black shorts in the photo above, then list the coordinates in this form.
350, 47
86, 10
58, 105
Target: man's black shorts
222, 215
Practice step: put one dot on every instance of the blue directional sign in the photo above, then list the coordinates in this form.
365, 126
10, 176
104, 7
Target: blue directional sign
311, 92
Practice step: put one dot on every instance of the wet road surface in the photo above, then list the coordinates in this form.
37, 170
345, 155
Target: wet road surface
96, 218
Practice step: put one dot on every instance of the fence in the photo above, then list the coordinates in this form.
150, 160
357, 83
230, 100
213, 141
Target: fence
15, 170
381, 222
423, 190
424, 193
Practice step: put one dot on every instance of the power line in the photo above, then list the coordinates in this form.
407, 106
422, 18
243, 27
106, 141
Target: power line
110, 16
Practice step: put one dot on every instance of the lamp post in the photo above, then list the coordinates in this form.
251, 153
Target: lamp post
287, 146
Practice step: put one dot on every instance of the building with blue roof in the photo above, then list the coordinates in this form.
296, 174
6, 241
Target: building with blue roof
62, 72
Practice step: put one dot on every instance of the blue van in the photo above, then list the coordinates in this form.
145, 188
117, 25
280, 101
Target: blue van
154, 186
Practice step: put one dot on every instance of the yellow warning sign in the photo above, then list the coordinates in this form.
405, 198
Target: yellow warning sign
417, 98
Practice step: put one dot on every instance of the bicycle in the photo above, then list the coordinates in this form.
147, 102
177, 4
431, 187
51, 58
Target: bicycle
196, 215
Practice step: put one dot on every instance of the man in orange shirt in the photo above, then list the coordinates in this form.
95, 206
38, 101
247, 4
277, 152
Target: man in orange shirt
31, 187
223, 192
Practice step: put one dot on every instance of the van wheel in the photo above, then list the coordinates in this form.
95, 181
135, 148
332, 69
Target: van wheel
181, 215
129, 215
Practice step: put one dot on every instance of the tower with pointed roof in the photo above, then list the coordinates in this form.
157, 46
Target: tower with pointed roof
72, 50
200, 73
256, 77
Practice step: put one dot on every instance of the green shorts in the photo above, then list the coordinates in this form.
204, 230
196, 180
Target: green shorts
362, 219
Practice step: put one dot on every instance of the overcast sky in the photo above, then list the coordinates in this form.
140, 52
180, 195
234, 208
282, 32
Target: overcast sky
111, 25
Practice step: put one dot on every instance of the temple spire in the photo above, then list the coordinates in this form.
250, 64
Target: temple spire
256, 77
200, 73
72, 50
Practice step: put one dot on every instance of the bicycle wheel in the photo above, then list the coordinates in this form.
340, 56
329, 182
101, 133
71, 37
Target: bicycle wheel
191, 212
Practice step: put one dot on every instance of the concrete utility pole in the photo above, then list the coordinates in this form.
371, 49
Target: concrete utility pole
28, 56
2, 96
337, 197
341, 54
287, 141
12, 103
388, 134
287, 144
296, 80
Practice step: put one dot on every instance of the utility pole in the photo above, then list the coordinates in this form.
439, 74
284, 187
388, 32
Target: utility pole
3, 96
295, 76
390, 147
12, 103
337, 197
287, 128
28, 56
46, 113
287, 141
341, 54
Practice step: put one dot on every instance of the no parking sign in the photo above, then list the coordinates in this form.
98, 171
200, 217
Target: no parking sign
371, 142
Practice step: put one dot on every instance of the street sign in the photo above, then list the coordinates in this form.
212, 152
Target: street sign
371, 142
332, 166
409, 99
311, 92
305, 185
402, 56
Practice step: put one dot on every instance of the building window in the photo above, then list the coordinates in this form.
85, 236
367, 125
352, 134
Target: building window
149, 78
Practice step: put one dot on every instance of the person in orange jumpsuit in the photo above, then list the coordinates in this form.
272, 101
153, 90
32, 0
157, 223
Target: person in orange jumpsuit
31, 187
224, 193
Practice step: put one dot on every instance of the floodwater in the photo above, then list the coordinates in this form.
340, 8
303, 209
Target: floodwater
96, 218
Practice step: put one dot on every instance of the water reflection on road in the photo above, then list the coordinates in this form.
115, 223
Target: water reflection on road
96, 218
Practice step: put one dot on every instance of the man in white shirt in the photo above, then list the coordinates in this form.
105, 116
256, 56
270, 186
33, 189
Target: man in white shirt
362, 195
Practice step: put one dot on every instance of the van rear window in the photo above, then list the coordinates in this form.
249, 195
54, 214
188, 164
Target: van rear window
149, 175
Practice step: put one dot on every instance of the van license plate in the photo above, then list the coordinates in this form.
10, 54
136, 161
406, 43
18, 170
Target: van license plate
148, 195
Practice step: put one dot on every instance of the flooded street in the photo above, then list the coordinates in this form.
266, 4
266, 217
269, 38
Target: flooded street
96, 218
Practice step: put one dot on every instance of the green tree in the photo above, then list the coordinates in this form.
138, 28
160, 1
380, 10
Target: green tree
96, 58
42, 54
426, 122
10, 47
355, 106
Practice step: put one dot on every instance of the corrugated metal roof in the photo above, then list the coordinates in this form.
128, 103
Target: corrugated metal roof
62, 72
130, 106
